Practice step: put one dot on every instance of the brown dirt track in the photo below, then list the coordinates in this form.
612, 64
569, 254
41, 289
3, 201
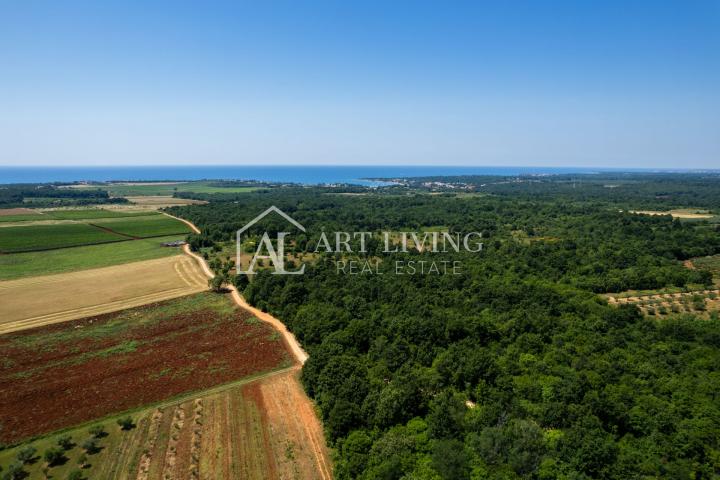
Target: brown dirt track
69, 373
287, 402
290, 341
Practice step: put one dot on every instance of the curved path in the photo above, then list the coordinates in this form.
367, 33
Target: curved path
300, 355
302, 407
189, 224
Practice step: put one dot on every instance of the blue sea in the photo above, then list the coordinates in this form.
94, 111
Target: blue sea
309, 175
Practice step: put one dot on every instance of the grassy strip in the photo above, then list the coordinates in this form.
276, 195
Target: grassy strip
22, 218
150, 190
29, 264
168, 190
92, 213
145, 227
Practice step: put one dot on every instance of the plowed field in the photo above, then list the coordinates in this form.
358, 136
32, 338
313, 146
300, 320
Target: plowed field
61, 375
254, 429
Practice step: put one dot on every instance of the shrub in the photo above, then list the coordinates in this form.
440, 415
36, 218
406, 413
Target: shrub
216, 283
14, 472
26, 454
54, 455
98, 431
699, 304
91, 446
75, 475
126, 423
65, 442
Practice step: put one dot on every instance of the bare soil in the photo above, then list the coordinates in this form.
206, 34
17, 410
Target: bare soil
73, 376
680, 213
18, 211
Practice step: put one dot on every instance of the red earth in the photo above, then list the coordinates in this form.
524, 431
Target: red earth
65, 374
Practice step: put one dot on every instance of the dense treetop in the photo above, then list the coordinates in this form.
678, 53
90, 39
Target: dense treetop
516, 368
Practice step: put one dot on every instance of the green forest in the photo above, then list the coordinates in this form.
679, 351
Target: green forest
52, 195
518, 367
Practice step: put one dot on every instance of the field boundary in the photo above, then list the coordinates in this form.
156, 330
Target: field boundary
110, 230
168, 402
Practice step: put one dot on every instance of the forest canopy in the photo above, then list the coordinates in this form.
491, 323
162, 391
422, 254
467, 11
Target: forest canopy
517, 368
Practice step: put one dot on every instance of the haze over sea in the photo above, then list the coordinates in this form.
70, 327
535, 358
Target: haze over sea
307, 174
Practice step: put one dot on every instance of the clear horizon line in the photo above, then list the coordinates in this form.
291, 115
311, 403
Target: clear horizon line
280, 165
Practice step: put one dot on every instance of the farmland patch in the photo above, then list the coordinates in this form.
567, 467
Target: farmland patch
144, 227
683, 213
160, 201
5, 212
62, 375
701, 303
46, 237
48, 262
133, 189
90, 213
36, 301
249, 429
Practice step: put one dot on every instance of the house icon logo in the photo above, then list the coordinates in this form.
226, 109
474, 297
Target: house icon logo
275, 254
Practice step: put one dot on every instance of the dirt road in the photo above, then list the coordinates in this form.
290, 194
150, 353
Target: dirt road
189, 224
286, 402
300, 355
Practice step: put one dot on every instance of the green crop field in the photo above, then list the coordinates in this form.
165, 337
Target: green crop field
152, 226
78, 214
160, 189
91, 213
21, 218
46, 237
29, 264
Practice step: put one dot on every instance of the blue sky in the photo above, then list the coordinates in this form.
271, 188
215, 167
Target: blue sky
577, 83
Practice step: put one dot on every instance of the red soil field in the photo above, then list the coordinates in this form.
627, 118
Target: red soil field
61, 375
